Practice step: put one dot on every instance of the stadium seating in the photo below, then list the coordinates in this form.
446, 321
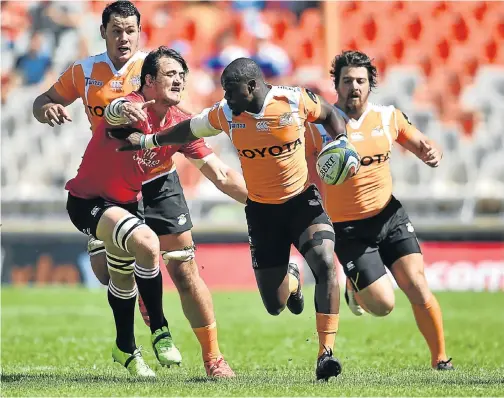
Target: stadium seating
439, 62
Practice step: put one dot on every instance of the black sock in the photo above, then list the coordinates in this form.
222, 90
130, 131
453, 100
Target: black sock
150, 287
124, 316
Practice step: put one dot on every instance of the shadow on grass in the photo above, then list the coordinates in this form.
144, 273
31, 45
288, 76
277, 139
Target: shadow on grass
48, 378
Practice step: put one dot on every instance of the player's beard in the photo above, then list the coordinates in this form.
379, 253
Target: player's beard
355, 105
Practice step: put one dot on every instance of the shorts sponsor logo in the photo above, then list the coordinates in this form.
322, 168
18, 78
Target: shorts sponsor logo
313, 202
95, 211
262, 126
275, 150
410, 228
350, 265
182, 219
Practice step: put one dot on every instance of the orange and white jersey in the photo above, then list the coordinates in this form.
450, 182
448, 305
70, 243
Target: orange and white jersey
97, 82
270, 144
367, 193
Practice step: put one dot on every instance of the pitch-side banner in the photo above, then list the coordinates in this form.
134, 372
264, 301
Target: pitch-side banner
38, 261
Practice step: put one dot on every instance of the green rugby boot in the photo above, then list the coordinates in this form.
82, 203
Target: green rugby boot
133, 362
164, 348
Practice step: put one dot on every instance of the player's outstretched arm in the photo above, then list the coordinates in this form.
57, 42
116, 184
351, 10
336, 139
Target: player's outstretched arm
423, 148
189, 130
416, 142
49, 108
225, 178
332, 121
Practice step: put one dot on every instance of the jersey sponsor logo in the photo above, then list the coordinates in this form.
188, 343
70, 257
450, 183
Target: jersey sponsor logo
116, 85
275, 150
233, 125
93, 82
312, 96
286, 119
147, 159
379, 158
262, 126
356, 136
377, 132
96, 110
288, 88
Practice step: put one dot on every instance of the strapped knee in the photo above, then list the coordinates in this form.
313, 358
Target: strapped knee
121, 265
124, 294
185, 254
124, 229
317, 239
95, 246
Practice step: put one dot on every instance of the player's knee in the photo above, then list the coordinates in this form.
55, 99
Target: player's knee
382, 306
326, 271
146, 246
414, 283
183, 273
99, 267
274, 309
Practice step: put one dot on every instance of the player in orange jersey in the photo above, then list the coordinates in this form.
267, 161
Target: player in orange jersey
266, 125
97, 81
372, 228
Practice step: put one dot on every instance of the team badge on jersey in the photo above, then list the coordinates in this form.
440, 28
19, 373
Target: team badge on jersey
286, 119
116, 85
312, 96
135, 80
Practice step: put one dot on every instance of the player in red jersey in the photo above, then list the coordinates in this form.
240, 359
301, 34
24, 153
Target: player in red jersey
118, 179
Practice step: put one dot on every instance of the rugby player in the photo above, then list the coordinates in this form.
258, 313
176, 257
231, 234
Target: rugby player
266, 125
372, 228
97, 81
163, 80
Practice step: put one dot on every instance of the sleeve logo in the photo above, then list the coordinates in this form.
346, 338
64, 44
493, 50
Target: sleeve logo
312, 96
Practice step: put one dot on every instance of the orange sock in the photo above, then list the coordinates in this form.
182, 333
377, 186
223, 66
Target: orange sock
207, 336
327, 327
430, 322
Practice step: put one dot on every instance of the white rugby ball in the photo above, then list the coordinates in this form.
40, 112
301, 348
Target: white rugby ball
337, 162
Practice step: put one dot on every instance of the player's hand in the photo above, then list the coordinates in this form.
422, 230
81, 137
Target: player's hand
129, 134
56, 113
430, 155
135, 111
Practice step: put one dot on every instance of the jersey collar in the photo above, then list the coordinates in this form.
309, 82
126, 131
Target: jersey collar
125, 67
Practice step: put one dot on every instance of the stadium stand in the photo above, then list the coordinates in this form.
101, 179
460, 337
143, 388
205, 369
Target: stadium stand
439, 62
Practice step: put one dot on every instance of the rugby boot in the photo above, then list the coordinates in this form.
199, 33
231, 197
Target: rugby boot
134, 363
295, 303
327, 366
164, 348
350, 299
445, 365
219, 368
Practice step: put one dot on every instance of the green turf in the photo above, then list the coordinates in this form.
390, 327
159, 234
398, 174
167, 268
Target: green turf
57, 342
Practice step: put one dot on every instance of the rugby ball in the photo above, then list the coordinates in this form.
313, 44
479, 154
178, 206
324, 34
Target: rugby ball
337, 162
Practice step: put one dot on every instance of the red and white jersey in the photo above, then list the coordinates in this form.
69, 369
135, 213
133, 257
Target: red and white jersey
118, 176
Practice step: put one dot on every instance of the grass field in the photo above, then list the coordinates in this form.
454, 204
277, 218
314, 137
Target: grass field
57, 342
